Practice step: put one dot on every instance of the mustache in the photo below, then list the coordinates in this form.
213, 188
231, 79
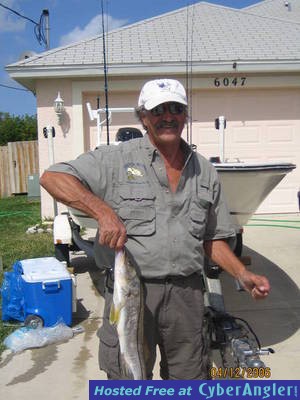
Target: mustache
165, 124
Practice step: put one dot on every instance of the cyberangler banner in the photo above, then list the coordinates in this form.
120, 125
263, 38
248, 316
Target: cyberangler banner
195, 390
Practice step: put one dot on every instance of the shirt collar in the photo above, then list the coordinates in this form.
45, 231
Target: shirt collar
152, 151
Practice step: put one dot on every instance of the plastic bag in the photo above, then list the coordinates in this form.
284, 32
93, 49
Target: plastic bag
26, 337
12, 294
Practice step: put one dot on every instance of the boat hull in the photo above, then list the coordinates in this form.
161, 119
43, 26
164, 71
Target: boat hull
247, 185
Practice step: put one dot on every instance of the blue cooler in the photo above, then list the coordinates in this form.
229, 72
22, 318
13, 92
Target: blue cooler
47, 290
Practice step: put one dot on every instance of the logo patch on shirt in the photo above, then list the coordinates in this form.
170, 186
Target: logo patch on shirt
135, 171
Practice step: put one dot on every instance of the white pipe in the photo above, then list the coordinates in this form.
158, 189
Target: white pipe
91, 112
51, 159
96, 114
222, 138
99, 129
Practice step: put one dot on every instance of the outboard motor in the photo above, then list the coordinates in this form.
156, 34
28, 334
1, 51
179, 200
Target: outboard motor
128, 133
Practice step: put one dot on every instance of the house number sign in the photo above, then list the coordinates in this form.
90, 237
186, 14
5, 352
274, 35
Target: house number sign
230, 81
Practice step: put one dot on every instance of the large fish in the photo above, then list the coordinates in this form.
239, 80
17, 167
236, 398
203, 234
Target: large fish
127, 316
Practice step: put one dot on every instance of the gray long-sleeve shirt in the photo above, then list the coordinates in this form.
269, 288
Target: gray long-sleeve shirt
165, 230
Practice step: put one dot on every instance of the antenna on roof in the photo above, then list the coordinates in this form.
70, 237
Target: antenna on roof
45, 14
105, 74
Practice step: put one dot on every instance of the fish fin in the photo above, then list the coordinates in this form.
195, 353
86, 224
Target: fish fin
114, 315
143, 347
125, 369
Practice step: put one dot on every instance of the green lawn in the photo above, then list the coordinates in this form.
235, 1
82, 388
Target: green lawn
16, 215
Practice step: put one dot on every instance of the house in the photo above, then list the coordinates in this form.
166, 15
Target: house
243, 64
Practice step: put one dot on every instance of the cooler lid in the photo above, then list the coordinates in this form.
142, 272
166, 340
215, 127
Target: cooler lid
43, 269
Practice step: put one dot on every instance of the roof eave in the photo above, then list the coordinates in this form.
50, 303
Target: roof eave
28, 75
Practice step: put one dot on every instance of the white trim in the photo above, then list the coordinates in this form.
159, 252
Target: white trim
254, 66
279, 73
77, 120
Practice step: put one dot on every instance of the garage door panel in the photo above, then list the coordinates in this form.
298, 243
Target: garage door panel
245, 153
283, 197
207, 135
244, 134
262, 126
280, 134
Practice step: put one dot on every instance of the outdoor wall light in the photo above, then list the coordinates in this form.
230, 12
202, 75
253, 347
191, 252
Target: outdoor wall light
59, 107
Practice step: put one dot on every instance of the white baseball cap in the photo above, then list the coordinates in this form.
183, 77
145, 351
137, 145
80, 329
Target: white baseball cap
160, 91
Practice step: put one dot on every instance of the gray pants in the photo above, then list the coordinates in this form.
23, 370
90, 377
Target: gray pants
173, 320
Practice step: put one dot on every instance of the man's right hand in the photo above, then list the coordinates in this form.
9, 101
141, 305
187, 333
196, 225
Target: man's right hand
112, 232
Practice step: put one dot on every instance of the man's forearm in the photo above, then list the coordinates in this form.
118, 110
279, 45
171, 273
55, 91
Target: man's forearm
220, 253
70, 191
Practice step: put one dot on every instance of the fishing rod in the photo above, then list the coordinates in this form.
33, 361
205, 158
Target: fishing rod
191, 78
189, 69
105, 74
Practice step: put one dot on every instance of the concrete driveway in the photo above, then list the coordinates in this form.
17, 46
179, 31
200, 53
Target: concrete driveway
62, 371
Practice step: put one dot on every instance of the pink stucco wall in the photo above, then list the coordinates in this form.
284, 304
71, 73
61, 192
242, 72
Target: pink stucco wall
46, 94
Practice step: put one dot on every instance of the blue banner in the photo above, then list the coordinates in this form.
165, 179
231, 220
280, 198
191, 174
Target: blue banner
195, 390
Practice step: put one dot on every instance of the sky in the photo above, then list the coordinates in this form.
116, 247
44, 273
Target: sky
69, 21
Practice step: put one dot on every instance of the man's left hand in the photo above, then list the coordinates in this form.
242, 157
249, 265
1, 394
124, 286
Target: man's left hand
257, 285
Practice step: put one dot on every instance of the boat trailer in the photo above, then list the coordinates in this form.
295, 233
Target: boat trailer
233, 337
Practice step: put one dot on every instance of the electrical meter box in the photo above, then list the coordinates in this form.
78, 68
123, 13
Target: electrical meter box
33, 185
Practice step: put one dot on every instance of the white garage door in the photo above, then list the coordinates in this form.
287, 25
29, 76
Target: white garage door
262, 125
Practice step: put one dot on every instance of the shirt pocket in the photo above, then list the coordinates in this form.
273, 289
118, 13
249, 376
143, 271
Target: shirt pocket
137, 210
199, 214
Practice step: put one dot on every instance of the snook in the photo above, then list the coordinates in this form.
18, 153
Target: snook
127, 316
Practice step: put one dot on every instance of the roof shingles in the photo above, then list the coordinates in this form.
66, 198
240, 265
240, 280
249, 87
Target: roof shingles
218, 33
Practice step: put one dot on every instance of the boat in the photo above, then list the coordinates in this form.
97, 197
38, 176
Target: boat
246, 185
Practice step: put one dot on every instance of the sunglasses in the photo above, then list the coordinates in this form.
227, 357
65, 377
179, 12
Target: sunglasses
172, 107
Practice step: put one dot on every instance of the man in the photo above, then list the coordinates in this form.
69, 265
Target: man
163, 202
